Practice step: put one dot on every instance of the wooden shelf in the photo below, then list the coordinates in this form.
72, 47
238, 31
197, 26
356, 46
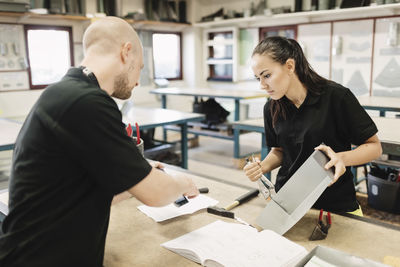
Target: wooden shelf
157, 25
142, 24
19, 70
42, 16
307, 17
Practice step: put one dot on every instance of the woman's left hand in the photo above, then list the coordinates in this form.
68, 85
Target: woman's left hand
335, 161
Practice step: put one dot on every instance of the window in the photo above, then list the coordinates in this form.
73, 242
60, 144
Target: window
50, 53
167, 56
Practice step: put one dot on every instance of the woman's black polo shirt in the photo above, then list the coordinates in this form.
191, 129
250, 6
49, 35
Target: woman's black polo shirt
335, 118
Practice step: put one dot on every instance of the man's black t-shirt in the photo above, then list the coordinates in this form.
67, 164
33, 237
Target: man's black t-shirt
71, 157
335, 118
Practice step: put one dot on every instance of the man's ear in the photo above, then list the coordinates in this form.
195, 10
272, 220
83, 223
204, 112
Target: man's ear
290, 65
125, 50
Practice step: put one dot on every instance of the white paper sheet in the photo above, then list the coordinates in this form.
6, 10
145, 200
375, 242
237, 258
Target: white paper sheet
160, 214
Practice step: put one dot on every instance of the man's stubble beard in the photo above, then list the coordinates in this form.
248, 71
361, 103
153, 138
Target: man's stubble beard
121, 87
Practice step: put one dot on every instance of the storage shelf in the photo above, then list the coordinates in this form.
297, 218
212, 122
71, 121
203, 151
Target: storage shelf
228, 39
307, 17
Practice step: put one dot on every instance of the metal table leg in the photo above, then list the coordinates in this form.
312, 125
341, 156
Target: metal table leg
164, 105
184, 145
236, 145
237, 109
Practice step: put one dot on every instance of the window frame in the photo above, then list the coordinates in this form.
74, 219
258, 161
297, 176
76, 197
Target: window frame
211, 67
180, 77
28, 27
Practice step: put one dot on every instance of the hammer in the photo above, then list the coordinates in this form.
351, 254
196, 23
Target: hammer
225, 212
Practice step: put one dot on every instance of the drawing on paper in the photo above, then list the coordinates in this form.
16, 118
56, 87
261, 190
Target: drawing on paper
390, 51
321, 51
358, 47
390, 75
357, 84
358, 60
337, 75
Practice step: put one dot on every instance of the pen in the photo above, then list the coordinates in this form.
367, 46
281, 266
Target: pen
129, 130
137, 134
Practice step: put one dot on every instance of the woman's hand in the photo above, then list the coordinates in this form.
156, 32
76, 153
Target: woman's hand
253, 170
335, 161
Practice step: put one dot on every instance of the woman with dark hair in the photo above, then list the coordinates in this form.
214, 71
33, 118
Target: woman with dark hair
305, 110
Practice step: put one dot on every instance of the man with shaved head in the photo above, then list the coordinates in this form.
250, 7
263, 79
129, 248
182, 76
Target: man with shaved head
73, 155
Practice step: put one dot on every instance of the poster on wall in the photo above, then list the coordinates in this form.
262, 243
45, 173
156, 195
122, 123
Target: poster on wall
351, 55
13, 63
386, 68
315, 41
14, 80
12, 48
248, 40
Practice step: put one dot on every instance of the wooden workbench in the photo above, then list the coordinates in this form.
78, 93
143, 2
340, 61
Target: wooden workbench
149, 118
380, 103
388, 129
8, 133
134, 239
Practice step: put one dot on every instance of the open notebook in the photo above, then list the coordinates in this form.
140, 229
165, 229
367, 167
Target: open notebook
236, 245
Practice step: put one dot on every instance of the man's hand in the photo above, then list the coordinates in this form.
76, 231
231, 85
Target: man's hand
157, 164
191, 190
335, 161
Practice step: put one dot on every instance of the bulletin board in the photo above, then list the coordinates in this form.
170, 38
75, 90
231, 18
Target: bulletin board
352, 54
386, 69
315, 41
13, 62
